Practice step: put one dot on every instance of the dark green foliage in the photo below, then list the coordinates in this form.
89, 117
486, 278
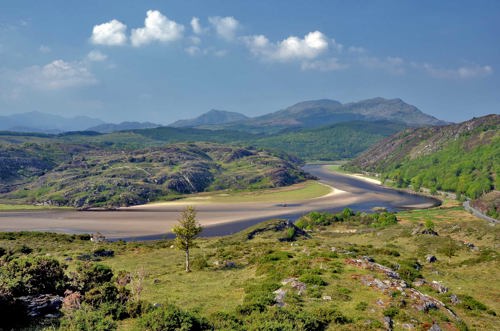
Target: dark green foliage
171, 318
338, 141
312, 279
91, 275
391, 311
88, 319
384, 219
32, 276
462, 158
361, 306
468, 302
409, 270
315, 219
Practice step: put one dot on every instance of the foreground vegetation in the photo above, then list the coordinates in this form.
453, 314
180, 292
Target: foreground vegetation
327, 272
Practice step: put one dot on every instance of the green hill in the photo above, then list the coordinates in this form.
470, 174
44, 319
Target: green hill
80, 176
333, 142
462, 158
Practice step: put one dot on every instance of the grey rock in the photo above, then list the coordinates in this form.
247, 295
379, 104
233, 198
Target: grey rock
430, 258
439, 287
434, 327
388, 323
454, 299
41, 305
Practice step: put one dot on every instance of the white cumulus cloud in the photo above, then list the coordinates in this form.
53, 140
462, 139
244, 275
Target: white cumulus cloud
225, 27
292, 48
157, 27
196, 26
96, 56
56, 75
112, 33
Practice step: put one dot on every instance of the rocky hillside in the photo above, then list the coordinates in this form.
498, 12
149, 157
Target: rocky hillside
464, 157
107, 178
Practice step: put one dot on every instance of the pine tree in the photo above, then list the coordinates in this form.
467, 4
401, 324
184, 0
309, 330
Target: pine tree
186, 231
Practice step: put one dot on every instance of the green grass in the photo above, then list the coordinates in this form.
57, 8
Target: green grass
297, 192
264, 261
15, 207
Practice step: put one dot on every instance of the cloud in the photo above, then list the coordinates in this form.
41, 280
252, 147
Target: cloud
225, 27
157, 27
195, 50
292, 48
463, 72
56, 75
111, 33
395, 65
356, 50
96, 56
196, 26
44, 49
332, 64
192, 50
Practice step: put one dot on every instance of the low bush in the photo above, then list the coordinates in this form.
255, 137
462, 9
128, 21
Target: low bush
172, 318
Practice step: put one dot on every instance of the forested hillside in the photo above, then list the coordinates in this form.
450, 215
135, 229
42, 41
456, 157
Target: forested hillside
462, 158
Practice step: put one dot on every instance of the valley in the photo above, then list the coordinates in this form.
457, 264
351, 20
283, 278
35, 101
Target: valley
153, 221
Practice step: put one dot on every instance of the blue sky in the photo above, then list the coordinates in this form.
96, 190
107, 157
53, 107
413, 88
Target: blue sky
161, 61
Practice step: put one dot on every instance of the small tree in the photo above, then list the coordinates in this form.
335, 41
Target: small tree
186, 231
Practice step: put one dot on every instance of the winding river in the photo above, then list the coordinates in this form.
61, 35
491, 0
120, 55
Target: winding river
150, 222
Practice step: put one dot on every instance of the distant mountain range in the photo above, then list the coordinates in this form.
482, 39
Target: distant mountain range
316, 113
212, 117
47, 123
39, 122
303, 115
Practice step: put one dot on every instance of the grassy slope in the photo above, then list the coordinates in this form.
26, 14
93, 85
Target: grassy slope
264, 259
296, 192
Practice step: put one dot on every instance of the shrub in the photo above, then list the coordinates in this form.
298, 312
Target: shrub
86, 318
311, 279
31, 276
361, 306
391, 312
89, 276
172, 318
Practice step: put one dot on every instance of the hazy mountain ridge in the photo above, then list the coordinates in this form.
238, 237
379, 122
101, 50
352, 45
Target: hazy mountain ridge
46, 123
212, 117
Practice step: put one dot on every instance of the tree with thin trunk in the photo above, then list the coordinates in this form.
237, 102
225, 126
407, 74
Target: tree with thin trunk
186, 232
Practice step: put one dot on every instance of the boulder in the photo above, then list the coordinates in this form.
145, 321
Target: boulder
439, 287
434, 327
430, 258
388, 323
41, 305
454, 299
